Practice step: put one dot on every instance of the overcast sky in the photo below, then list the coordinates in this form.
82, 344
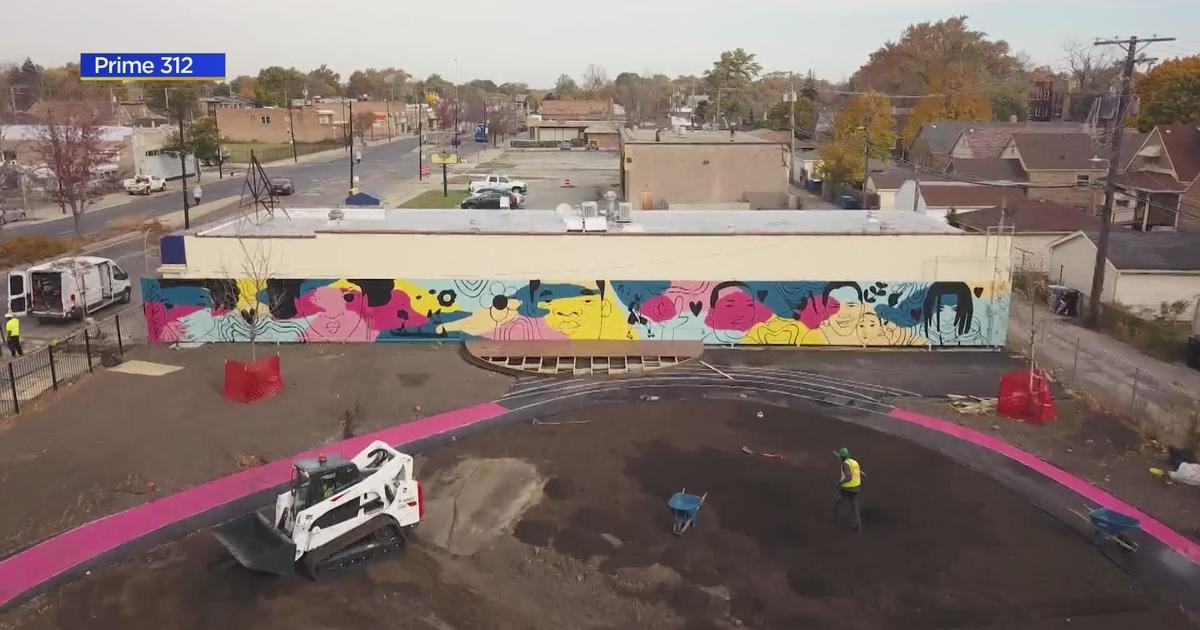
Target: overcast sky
534, 42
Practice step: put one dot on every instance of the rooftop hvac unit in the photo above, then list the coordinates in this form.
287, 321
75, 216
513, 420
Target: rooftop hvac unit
624, 212
589, 209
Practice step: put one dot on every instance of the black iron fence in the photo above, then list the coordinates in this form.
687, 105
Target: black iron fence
93, 344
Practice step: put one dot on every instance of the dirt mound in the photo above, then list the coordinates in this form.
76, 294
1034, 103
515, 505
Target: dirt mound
475, 502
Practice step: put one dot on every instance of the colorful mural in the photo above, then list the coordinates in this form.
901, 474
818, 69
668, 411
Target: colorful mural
842, 313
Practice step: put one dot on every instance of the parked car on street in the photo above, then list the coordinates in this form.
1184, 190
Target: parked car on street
495, 180
144, 184
8, 215
489, 199
282, 186
520, 199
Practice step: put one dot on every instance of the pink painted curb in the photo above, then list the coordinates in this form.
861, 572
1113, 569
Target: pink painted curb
34, 566
1155, 528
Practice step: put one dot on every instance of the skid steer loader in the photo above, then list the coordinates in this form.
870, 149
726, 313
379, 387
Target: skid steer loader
337, 513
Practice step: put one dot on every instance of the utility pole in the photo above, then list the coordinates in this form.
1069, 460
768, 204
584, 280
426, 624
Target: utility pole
187, 218
791, 101
420, 143
388, 106
217, 127
1132, 49
352, 144
291, 125
917, 188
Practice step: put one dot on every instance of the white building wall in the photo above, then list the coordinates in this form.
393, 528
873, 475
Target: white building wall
1074, 261
899, 257
1144, 292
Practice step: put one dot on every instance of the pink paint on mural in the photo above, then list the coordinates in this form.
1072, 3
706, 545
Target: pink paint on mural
337, 315
733, 308
661, 308
815, 312
162, 323
396, 314
525, 329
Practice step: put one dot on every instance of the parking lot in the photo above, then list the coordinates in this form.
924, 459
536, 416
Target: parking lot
546, 172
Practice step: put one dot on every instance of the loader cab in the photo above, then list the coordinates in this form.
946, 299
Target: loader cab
315, 480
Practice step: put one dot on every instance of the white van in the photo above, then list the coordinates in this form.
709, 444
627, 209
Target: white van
68, 288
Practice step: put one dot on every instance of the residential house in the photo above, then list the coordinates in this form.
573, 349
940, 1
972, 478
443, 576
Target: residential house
1036, 223
934, 140
663, 169
1160, 186
1061, 167
885, 181
940, 198
1143, 269
986, 139
988, 170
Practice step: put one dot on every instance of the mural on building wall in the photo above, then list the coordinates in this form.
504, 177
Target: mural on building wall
842, 313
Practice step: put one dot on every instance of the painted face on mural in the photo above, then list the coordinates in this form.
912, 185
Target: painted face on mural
849, 310
733, 308
579, 316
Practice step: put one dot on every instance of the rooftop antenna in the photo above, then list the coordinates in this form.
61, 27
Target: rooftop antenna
261, 196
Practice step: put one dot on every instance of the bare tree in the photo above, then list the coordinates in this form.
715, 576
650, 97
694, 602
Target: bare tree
595, 81
70, 149
364, 122
1094, 68
254, 287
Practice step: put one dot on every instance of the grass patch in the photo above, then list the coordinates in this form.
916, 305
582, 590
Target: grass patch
22, 250
271, 151
434, 199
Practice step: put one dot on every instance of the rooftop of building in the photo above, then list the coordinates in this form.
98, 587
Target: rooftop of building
671, 136
1149, 251
310, 221
1031, 216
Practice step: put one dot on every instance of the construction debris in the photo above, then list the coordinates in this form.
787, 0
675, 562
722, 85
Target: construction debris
972, 405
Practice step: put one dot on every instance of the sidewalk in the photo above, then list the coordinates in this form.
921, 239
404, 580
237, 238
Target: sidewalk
1161, 399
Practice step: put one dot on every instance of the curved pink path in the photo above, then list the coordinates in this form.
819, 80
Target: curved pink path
30, 568
1166, 535
34, 566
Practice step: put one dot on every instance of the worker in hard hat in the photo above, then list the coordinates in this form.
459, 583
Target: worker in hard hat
12, 334
848, 488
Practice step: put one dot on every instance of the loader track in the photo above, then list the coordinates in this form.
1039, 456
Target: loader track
376, 537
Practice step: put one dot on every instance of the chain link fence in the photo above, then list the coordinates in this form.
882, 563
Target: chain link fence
96, 343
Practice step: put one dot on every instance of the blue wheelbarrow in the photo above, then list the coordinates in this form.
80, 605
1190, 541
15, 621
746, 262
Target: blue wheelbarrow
684, 508
1110, 525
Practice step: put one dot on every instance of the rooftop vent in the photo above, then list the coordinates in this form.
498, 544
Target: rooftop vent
337, 214
624, 212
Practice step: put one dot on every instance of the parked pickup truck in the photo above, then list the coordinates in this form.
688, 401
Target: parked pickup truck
144, 184
498, 181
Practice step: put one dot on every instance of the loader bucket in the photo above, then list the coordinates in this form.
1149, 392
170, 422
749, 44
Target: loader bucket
257, 544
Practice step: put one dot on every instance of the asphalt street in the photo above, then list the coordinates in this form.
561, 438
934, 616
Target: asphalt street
318, 183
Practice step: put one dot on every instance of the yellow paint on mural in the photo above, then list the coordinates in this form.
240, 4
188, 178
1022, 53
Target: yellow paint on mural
587, 317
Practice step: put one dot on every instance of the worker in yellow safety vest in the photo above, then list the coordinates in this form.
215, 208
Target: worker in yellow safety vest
848, 488
12, 333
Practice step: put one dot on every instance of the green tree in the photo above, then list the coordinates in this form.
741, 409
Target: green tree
484, 85
171, 96
1170, 93
777, 116
362, 123
28, 78
565, 87
276, 82
729, 82
324, 82
436, 84
243, 87
842, 157
809, 91
199, 138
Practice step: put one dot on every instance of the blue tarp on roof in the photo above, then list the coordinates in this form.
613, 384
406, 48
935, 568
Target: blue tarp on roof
362, 199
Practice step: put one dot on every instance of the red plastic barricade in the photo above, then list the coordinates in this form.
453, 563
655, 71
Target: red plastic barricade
248, 382
1021, 401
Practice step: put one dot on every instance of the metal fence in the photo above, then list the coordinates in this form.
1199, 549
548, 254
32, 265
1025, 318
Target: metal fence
1158, 408
94, 343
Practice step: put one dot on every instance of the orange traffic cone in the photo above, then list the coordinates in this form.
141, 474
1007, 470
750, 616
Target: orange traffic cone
567, 183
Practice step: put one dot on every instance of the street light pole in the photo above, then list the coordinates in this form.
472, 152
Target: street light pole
420, 145
352, 144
